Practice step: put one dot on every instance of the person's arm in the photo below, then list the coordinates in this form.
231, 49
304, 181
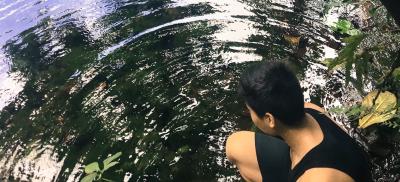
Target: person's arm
241, 151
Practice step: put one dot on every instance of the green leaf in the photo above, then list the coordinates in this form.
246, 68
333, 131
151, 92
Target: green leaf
360, 66
354, 111
183, 149
111, 164
348, 66
374, 10
89, 177
111, 158
333, 63
338, 110
396, 74
343, 26
355, 39
347, 54
353, 32
384, 108
92, 167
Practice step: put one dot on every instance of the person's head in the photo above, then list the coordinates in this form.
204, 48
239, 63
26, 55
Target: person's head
273, 95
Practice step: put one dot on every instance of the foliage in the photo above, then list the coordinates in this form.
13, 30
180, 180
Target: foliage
349, 56
396, 74
370, 56
345, 27
95, 173
367, 113
352, 112
395, 124
378, 107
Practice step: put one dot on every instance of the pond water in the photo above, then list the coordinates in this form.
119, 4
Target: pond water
156, 80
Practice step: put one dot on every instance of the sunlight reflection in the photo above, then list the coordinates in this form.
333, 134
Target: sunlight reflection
11, 83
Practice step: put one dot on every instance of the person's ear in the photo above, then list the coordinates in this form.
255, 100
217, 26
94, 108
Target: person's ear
269, 120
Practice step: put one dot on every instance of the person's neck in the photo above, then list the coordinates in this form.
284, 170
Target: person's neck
303, 138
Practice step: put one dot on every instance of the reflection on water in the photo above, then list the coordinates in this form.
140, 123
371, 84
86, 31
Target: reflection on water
154, 79
17, 16
11, 83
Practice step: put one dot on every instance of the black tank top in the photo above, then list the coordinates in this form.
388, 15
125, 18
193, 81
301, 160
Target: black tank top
337, 150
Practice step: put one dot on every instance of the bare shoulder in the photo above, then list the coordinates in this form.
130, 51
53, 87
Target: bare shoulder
320, 109
314, 106
324, 175
237, 143
241, 151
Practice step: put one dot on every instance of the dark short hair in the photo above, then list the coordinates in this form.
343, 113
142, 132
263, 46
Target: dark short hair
273, 87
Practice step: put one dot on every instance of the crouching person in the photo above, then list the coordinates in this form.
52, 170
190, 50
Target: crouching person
299, 141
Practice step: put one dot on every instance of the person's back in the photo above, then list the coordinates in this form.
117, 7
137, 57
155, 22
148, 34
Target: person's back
314, 148
336, 151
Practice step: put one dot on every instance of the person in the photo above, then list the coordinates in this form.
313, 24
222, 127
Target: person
300, 142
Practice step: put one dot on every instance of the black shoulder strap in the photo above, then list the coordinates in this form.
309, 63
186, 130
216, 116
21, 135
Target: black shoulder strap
325, 122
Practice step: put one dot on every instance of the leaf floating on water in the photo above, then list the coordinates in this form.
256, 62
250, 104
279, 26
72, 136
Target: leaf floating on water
384, 108
89, 178
294, 40
107, 161
183, 149
109, 165
92, 167
102, 86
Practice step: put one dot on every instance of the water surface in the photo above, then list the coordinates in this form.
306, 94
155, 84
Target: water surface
80, 80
